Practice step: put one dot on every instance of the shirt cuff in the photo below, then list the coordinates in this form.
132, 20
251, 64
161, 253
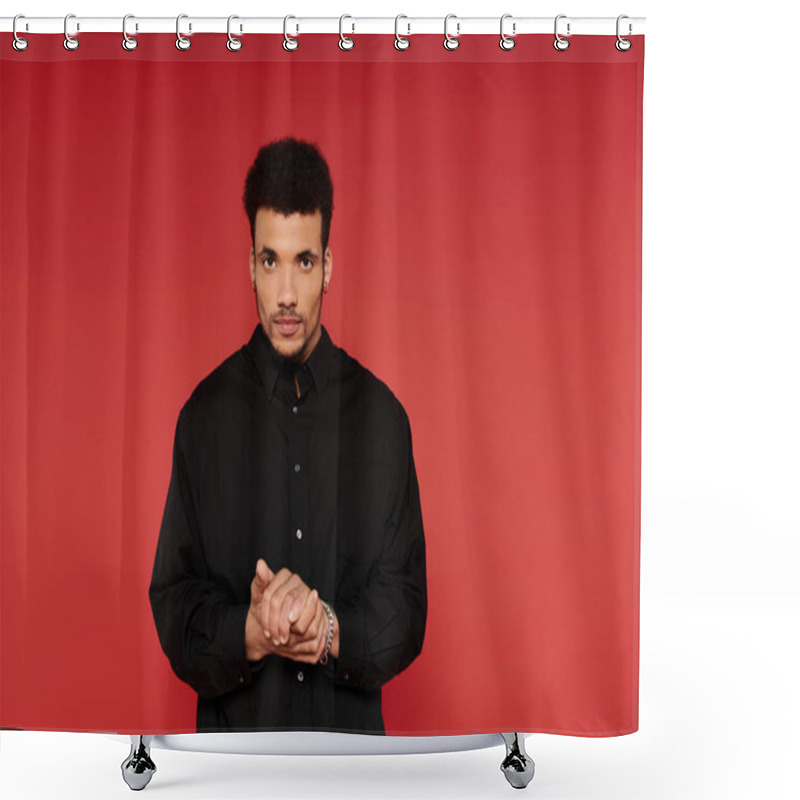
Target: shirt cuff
234, 647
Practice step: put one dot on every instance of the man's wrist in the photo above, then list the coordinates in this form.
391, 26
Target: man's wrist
250, 642
254, 639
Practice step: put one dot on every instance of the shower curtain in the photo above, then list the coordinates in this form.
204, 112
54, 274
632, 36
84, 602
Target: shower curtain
486, 237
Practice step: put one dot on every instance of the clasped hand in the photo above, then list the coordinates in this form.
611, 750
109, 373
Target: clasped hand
285, 617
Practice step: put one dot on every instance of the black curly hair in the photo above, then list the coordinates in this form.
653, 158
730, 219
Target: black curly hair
290, 176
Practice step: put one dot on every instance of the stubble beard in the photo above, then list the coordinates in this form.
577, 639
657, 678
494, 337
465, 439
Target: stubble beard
295, 355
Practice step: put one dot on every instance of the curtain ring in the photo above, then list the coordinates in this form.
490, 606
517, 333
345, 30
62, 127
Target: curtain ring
19, 43
128, 42
506, 42
400, 42
561, 43
345, 42
451, 42
289, 43
182, 43
70, 42
233, 44
623, 44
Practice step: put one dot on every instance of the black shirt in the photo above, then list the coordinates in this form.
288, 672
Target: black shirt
323, 484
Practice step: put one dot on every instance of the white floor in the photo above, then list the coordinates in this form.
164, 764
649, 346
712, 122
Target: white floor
719, 706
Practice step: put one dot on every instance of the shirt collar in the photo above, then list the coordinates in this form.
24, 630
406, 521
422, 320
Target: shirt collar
270, 364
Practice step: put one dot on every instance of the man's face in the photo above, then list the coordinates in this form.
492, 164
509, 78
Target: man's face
289, 271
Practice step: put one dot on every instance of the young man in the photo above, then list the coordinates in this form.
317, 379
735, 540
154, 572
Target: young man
289, 580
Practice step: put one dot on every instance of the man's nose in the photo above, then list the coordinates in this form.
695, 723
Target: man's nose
287, 295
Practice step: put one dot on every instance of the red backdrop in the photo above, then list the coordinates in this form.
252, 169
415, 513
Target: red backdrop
486, 241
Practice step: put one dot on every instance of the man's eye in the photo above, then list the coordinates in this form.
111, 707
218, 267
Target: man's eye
307, 263
268, 261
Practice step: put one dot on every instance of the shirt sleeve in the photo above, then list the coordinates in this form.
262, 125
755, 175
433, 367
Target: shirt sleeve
201, 630
382, 628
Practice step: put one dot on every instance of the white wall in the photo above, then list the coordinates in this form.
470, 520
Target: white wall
720, 443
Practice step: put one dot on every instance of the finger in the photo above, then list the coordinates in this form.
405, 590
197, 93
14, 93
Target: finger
320, 626
260, 580
276, 605
293, 599
282, 576
300, 605
319, 643
316, 631
264, 573
303, 642
320, 622
301, 658
298, 647
255, 591
308, 612
305, 650
277, 581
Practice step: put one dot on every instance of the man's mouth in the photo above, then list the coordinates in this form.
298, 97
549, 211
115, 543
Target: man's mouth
287, 325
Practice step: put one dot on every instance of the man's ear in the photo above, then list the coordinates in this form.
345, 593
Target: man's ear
253, 266
327, 269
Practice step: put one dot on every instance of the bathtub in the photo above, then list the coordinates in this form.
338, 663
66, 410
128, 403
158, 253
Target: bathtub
139, 767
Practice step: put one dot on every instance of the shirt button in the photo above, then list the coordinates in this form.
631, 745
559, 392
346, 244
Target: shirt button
241, 679
299, 534
297, 468
347, 676
294, 409
300, 676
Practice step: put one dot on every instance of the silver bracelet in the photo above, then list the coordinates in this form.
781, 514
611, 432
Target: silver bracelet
323, 659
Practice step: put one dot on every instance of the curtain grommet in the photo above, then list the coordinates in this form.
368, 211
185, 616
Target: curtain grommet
451, 42
129, 42
234, 44
507, 42
401, 42
560, 42
70, 42
290, 44
345, 42
182, 42
622, 44
18, 43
